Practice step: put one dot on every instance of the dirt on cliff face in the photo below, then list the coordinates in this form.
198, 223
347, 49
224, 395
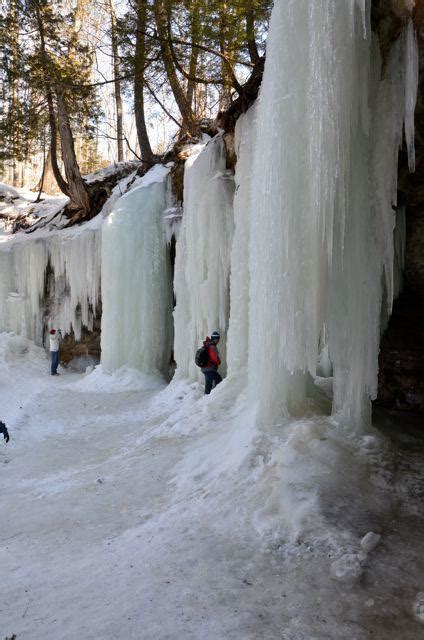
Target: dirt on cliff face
401, 362
78, 354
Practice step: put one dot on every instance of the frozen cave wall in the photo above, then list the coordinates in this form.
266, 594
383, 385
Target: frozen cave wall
52, 280
321, 242
317, 255
401, 361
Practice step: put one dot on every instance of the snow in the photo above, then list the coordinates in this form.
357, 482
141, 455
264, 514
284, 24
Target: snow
347, 569
123, 379
6, 191
140, 512
111, 170
370, 541
21, 202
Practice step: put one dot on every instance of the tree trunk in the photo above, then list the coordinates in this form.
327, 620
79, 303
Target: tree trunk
195, 37
140, 60
50, 183
188, 119
61, 183
250, 33
117, 83
225, 100
77, 189
50, 105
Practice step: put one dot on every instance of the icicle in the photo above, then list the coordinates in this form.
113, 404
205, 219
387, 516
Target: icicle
399, 251
411, 82
203, 254
73, 281
136, 282
321, 217
238, 331
296, 175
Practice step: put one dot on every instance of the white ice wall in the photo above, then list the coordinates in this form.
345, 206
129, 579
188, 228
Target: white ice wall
136, 281
319, 204
238, 330
203, 254
74, 256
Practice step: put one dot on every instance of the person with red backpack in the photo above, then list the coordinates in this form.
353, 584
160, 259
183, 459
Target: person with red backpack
211, 361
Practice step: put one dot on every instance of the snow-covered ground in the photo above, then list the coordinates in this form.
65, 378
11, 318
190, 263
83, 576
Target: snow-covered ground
132, 510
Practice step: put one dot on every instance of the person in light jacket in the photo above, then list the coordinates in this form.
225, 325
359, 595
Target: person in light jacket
210, 371
55, 338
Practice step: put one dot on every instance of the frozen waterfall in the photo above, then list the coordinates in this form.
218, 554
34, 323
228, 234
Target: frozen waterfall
203, 249
320, 206
50, 280
295, 260
238, 331
136, 280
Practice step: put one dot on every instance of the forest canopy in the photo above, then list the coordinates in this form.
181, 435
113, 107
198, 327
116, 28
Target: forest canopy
87, 82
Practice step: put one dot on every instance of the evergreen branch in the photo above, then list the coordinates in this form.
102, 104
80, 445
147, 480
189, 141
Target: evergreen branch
160, 103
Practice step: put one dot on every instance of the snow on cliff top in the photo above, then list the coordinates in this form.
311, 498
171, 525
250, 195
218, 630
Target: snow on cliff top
46, 216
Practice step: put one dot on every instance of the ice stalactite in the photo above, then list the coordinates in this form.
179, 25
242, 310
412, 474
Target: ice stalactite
363, 277
50, 280
298, 158
6, 287
411, 87
238, 330
320, 205
136, 281
203, 254
76, 267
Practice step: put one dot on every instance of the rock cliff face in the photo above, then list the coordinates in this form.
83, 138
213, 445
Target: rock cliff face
86, 351
401, 378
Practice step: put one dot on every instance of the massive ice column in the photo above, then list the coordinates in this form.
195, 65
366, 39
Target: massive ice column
238, 330
321, 219
203, 254
136, 280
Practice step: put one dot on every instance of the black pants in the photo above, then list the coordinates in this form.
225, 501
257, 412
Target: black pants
210, 378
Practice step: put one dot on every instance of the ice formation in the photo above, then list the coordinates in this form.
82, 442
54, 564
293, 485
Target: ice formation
203, 254
51, 277
238, 330
50, 280
136, 281
319, 206
370, 541
308, 230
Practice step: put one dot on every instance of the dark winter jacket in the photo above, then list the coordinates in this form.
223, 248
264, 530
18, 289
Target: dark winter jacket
213, 356
4, 431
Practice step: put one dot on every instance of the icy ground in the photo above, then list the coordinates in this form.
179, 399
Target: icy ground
134, 511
